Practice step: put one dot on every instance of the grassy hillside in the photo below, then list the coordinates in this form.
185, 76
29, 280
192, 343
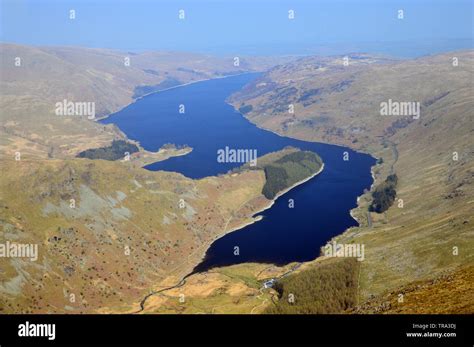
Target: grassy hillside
109, 233
448, 293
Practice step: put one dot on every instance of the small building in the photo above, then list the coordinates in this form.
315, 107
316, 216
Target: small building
269, 283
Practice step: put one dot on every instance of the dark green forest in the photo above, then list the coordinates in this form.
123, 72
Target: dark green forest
115, 151
329, 287
245, 109
384, 195
288, 170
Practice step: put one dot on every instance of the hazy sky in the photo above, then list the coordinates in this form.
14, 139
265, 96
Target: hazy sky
228, 26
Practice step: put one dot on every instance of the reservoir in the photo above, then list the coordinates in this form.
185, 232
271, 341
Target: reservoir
321, 205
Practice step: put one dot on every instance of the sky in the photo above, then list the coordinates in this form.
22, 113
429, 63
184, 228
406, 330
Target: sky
243, 26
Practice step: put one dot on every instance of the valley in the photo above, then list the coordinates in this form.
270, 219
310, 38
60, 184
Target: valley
157, 224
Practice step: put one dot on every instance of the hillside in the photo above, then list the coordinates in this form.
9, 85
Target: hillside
125, 231
110, 233
447, 293
428, 230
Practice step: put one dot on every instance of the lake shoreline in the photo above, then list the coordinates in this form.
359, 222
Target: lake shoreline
255, 218
272, 201
352, 211
97, 119
295, 138
264, 205
197, 262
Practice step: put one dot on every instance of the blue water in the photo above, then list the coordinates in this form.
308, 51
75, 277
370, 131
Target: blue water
321, 205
